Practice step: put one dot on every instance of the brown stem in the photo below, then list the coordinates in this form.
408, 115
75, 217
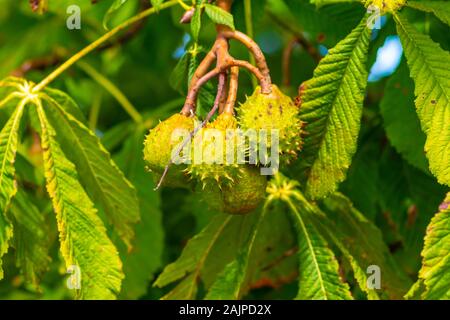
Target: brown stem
307, 45
219, 52
193, 91
252, 69
232, 90
286, 62
203, 67
257, 53
223, 98
222, 66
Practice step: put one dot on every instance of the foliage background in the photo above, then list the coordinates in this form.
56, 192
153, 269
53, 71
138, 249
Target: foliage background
388, 180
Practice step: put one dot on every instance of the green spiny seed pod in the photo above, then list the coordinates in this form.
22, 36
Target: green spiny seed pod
273, 111
241, 197
213, 155
159, 145
384, 6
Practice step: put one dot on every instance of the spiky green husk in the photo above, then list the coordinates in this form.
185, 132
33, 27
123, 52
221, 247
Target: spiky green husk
158, 148
242, 197
208, 165
390, 6
273, 111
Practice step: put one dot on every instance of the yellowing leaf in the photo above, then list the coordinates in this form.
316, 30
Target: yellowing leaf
429, 65
9, 139
100, 175
82, 235
435, 271
31, 240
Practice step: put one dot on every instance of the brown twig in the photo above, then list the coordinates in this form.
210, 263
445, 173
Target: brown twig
223, 98
232, 90
286, 62
261, 63
225, 61
305, 43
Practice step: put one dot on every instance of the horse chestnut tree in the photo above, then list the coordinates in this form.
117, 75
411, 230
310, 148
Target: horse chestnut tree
227, 149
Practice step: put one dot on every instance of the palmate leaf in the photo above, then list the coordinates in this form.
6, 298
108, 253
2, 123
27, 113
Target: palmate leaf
192, 260
400, 119
362, 244
9, 139
100, 175
82, 235
440, 9
409, 198
332, 107
229, 284
145, 258
430, 66
206, 255
435, 271
273, 261
319, 270
31, 240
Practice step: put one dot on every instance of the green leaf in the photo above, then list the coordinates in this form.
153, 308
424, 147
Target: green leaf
98, 173
430, 66
362, 244
440, 9
328, 24
82, 235
206, 255
116, 5
229, 284
219, 16
196, 23
6, 233
331, 107
156, 3
400, 120
31, 240
435, 271
145, 259
408, 198
178, 77
9, 139
192, 259
319, 270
